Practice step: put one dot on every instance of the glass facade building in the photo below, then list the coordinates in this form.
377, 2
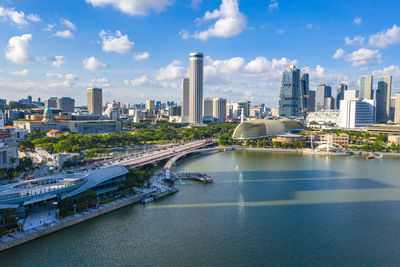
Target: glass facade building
340, 93
304, 94
289, 103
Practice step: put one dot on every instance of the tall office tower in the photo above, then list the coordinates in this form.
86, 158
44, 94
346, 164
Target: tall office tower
321, 92
329, 103
196, 87
185, 97
366, 87
304, 94
207, 107
311, 101
51, 102
383, 99
150, 104
392, 107
66, 104
289, 103
340, 93
29, 99
95, 100
219, 110
397, 109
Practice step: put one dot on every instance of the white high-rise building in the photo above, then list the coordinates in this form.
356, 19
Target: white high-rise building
397, 109
366, 82
150, 104
356, 113
350, 94
185, 97
219, 110
196, 88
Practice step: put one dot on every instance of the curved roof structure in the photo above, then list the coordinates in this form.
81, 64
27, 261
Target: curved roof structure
293, 125
259, 129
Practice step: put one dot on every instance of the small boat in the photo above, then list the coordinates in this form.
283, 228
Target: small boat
369, 157
147, 199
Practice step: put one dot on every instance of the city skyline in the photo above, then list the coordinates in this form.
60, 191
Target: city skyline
56, 51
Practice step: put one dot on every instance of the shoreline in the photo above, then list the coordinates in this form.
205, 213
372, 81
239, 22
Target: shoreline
19, 238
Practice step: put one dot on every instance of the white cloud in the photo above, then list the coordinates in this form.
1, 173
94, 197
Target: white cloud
93, 63
356, 41
68, 24
273, 4
49, 28
385, 38
195, 3
17, 17
54, 75
34, 18
116, 43
319, 75
184, 34
357, 20
309, 26
71, 77
142, 81
100, 82
141, 56
173, 71
230, 21
56, 61
279, 31
133, 7
20, 73
17, 48
64, 34
339, 53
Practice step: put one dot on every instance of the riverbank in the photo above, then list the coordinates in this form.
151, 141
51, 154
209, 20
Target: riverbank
18, 238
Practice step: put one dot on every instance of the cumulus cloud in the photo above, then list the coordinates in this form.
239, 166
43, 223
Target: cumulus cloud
385, 38
100, 82
93, 63
357, 20
355, 41
173, 71
64, 34
273, 4
361, 57
23, 72
68, 24
56, 61
184, 34
34, 18
17, 17
230, 22
141, 56
339, 53
141, 81
49, 28
115, 43
17, 48
133, 7
71, 77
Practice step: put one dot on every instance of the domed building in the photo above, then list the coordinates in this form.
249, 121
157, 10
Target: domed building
264, 129
48, 115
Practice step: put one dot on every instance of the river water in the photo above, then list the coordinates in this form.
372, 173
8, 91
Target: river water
264, 208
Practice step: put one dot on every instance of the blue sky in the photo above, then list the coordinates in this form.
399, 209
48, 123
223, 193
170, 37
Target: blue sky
138, 49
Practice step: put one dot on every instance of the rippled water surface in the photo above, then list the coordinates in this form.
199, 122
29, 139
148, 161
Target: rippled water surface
264, 208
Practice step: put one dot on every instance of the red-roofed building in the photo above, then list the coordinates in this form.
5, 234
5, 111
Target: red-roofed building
55, 133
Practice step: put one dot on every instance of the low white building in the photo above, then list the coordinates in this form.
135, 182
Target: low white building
356, 113
323, 117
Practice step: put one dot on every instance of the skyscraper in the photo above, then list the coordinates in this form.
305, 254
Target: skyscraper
383, 98
185, 97
321, 92
207, 107
196, 87
397, 109
304, 94
289, 103
219, 110
66, 104
311, 101
150, 105
366, 87
95, 100
340, 93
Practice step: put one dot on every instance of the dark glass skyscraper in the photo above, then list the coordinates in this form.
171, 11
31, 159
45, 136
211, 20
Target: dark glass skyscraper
289, 103
340, 93
304, 94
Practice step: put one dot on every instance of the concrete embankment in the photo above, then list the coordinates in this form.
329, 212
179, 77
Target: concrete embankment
21, 238
267, 149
